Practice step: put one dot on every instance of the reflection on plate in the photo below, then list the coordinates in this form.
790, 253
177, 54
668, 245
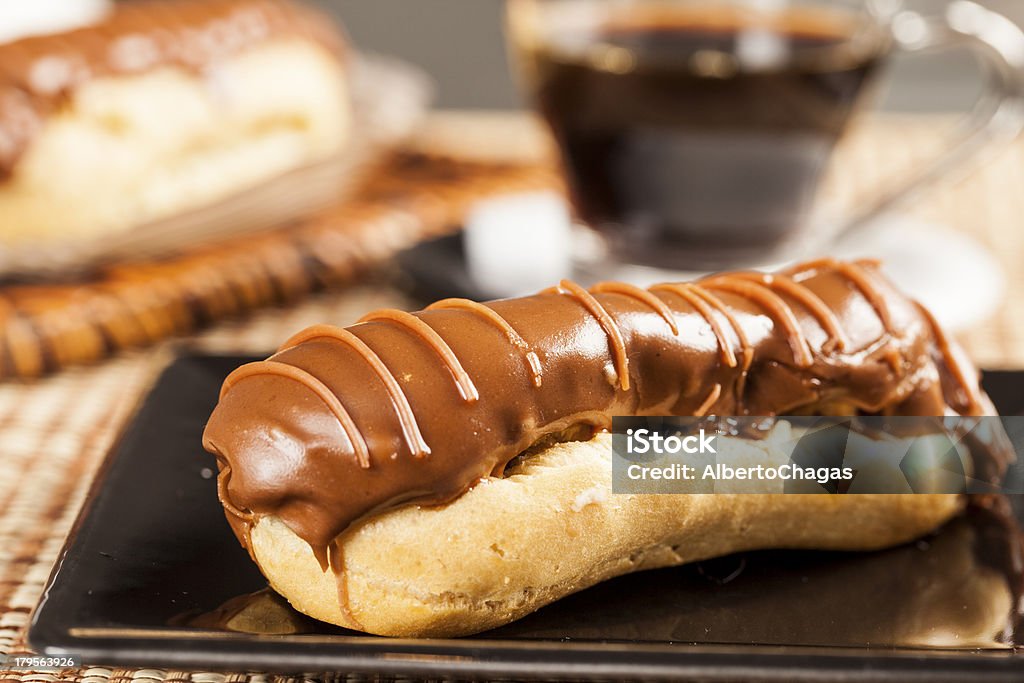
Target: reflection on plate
958, 588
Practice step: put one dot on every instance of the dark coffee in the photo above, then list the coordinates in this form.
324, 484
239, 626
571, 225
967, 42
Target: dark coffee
693, 138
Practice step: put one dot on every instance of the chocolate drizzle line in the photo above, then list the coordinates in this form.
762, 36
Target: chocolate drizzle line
704, 407
774, 305
608, 324
689, 293
272, 367
463, 381
746, 350
488, 313
414, 439
336, 563
640, 295
971, 391
855, 273
280, 454
812, 302
223, 477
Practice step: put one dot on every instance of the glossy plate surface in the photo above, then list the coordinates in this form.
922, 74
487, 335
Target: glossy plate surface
152, 576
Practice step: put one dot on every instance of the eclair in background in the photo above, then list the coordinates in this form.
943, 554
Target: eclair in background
159, 107
445, 472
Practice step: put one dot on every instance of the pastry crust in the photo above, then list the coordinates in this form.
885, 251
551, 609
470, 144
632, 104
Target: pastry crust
550, 528
398, 476
128, 149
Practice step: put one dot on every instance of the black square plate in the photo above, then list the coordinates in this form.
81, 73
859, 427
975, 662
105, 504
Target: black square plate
152, 576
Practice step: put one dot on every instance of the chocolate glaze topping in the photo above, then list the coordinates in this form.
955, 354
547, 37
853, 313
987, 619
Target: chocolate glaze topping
39, 74
404, 408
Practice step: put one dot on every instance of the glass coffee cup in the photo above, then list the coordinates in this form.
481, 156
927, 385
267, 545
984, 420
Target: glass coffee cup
695, 134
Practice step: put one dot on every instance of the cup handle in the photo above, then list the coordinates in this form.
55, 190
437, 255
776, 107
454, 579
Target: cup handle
998, 116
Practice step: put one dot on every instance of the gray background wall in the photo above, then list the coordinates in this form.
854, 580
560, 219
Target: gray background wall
460, 43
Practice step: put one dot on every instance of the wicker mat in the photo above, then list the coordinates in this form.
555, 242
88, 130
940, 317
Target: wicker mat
54, 432
405, 199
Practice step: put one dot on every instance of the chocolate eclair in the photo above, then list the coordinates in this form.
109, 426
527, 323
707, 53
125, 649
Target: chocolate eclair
374, 472
161, 107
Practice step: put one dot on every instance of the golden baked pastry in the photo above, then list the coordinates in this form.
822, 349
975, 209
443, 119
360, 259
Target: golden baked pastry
373, 471
162, 107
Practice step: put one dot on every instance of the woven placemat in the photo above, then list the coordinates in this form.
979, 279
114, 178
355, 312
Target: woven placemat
55, 431
408, 198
